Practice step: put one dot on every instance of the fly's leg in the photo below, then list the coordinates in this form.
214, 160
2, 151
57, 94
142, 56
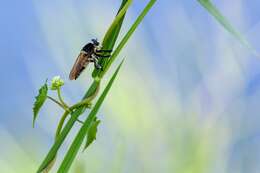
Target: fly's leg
94, 59
96, 64
104, 51
102, 56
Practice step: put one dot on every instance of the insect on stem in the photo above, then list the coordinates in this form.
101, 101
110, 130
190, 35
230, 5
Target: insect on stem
90, 53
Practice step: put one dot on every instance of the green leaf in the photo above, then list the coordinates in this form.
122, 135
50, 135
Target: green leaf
74, 148
113, 31
92, 132
39, 101
127, 36
210, 7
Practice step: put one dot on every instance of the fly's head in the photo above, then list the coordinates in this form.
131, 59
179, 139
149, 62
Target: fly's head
95, 42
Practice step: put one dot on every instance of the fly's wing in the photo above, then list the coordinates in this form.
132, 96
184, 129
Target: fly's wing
80, 64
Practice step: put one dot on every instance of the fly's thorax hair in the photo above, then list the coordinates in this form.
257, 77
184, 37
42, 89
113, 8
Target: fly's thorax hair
88, 47
83, 52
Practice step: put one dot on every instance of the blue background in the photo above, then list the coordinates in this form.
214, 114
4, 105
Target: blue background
187, 98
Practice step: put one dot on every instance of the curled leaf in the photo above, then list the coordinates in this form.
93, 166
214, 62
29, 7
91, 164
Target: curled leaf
91, 135
39, 101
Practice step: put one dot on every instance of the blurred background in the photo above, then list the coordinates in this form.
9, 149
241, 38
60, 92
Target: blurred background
185, 101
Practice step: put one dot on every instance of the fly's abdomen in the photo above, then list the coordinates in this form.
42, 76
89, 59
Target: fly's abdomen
80, 64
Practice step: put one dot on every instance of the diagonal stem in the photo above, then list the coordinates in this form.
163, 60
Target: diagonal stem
56, 101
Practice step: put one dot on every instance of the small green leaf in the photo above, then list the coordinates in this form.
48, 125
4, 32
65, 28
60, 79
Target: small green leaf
74, 148
210, 7
91, 135
39, 101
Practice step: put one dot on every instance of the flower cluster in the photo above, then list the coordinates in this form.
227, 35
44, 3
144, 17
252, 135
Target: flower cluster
56, 83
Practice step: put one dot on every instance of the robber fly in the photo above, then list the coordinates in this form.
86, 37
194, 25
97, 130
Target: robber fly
90, 53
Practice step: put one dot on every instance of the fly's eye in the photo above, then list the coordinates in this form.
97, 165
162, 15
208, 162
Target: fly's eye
95, 42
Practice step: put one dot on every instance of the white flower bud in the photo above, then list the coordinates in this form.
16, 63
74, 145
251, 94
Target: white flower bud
56, 83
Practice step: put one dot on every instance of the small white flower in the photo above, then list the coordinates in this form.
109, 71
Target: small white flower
56, 82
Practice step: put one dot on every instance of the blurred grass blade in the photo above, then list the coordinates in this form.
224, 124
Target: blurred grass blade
112, 33
127, 36
75, 146
210, 7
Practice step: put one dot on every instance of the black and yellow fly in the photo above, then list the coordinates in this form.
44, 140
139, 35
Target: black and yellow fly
91, 52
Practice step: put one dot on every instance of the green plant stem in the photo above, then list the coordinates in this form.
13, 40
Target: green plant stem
59, 140
60, 98
63, 134
84, 103
56, 101
61, 122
